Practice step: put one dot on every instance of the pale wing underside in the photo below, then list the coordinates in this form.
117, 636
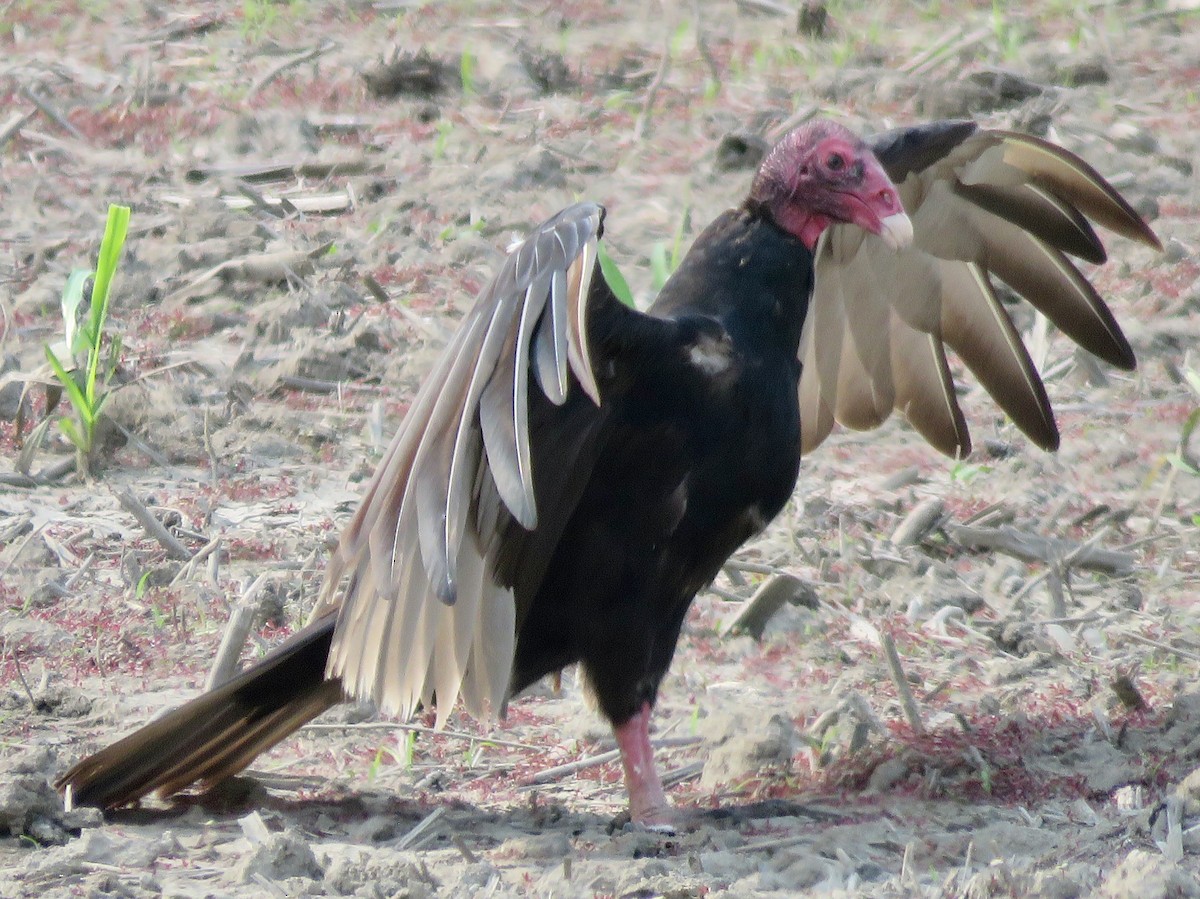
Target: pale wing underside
998, 203
419, 611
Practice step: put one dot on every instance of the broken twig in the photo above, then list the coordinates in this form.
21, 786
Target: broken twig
907, 702
152, 526
241, 621
1032, 548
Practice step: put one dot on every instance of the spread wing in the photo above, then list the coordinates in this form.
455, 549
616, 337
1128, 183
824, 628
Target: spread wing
419, 609
983, 204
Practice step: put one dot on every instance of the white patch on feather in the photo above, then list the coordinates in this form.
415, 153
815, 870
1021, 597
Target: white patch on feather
755, 518
711, 356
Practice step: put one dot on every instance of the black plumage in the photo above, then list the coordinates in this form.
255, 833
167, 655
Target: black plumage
574, 471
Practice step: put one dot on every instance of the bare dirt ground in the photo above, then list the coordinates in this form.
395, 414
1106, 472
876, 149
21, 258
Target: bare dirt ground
307, 226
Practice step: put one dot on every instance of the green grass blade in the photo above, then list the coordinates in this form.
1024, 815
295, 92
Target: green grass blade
68, 427
72, 297
115, 230
466, 72
660, 266
612, 274
74, 394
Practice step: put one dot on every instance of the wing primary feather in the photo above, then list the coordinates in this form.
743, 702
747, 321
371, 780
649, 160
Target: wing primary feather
1040, 212
925, 390
1077, 181
550, 343
535, 301
1045, 277
581, 273
975, 325
440, 493
816, 418
504, 411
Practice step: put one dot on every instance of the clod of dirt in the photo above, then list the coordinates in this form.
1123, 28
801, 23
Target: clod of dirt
1149, 875
127, 850
538, 168
655, 877
888, 773
753, 741
319, 358
984, 91
1001, 880
1188, 790
381, 872
475, 877
542, 845
729, 866
813, 20
34, 634
53, 698
10, 394
414, 74
281, 856
1103, 767
165, 415
256, 439
740, 150
1078, 72
547, 70
30, 807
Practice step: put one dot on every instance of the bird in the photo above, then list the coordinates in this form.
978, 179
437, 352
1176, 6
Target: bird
573, 471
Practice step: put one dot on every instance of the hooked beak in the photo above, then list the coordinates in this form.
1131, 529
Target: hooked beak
875, 207
896, 231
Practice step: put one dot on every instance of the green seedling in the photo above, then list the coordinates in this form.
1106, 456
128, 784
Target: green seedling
662, 264
1185, 458
466, 69
612, 274
86, 381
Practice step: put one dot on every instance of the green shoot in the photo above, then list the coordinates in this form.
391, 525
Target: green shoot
612, 274
1006, 32
375, 766
85, 345
985, 778
444, 127
466, 69
660, 265
257, 18
965, 473
408, 749
1185, 458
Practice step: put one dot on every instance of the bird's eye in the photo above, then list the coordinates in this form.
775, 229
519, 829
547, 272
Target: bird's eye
835, 162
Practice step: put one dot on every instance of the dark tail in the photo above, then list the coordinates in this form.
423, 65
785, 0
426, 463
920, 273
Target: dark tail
215, 735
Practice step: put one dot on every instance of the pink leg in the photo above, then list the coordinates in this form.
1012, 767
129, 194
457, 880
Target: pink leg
647, 801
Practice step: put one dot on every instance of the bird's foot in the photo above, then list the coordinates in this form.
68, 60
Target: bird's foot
648, 806
660, 818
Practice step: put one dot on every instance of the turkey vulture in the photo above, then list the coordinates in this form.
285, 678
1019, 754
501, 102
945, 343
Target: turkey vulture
573, 471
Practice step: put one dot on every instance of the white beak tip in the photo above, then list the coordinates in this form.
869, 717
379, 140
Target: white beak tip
897, 231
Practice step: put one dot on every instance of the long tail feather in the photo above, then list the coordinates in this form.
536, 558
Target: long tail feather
216, 735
